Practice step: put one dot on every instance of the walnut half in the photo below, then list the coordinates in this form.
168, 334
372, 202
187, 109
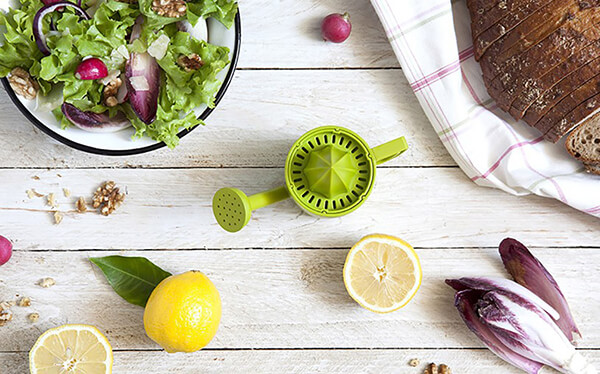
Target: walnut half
22, 83
110, 92
190, 62
107, 198
169, 8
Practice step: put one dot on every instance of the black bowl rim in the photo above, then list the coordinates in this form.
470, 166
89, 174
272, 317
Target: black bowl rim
135, 151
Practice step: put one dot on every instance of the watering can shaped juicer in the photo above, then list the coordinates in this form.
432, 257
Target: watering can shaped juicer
329, 172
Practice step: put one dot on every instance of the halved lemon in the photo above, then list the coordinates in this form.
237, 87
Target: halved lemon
71, 349
382, 273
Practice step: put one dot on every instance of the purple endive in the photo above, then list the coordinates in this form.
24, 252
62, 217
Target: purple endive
529, 272
520, 321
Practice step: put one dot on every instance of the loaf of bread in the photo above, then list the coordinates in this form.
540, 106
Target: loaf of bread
540, 61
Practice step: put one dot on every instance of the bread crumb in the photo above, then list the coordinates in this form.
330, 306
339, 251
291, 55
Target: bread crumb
414, 362
57, 217
24, 301
66, 192
35, 177
6, 305
33, 317
33, 193
47, 282
81, 205
52, 200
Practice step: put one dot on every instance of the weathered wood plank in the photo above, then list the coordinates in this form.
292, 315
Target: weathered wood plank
430, 207
260, 117
281, 298
353, 361
286, 34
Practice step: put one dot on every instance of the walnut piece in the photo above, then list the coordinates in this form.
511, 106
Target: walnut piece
22, 83
57, 217
190, 62
437, 369
33, 317
47, 282
108, 198
24, 301
5, 316
169, 8
110, 92
414, 362
81, 205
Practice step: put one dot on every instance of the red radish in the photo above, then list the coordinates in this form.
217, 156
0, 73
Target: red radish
5, 250
92, 68
336, 27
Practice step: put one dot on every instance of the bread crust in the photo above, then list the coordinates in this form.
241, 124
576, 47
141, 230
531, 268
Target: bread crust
534, 63
576, 117
537, 88
526, 35
570, 110
499, 20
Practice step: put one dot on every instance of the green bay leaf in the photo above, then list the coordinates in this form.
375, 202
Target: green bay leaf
132, 278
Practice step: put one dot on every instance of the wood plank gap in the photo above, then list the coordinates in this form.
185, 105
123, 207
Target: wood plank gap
47, 250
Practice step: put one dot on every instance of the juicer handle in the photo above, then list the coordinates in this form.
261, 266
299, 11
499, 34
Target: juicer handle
262, 199
389, 150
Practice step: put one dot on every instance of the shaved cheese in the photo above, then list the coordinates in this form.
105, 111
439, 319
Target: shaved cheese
140, 83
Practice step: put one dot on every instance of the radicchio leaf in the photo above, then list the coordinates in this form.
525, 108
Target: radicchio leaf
465, 303
144, 102
529, 272
95, 122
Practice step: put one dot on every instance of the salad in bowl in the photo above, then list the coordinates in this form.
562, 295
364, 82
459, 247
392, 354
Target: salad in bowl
102, 66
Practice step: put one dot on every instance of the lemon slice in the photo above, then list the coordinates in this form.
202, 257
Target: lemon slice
70, 349
382, 273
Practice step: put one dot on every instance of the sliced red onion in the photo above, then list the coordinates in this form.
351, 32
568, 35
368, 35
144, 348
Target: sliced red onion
90, 69
40, 38
95, 122
143, 102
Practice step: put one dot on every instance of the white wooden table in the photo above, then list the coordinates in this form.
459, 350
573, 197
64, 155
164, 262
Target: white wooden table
285, 309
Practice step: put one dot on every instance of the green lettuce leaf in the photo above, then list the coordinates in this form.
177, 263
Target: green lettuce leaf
222, 10
19, 48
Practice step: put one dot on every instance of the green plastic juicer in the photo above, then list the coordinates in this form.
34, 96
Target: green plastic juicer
329, 172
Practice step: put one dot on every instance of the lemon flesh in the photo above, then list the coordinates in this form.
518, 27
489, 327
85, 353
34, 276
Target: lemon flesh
382, 273
71, 349
183, 312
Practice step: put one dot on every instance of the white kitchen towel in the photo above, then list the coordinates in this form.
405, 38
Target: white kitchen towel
432, 40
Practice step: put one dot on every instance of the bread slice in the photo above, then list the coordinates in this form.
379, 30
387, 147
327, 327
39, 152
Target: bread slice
556, 94
538, 60
583, 143
569, 111
580, 114
489, 26
535, 89
592, 168
529, 33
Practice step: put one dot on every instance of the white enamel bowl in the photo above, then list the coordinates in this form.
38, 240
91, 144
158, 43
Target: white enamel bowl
121, 143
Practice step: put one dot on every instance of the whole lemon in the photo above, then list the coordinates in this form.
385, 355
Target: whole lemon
183, 312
